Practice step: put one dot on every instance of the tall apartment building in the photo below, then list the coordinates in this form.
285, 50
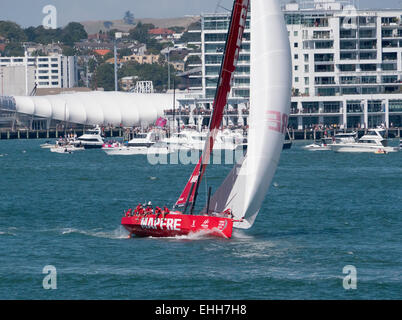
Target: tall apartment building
55, 71
347, 63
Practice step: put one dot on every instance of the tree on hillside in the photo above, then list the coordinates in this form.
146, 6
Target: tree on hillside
42, 35
73, 32
140, 32
128, 18
124, 52
14, 49
156, 73
12, 31
104, 77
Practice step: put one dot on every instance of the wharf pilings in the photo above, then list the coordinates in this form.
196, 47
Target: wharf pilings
306, 134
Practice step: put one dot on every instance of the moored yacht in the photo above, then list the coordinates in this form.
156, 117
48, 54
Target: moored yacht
92, 139
142, 143
373, 142
194, 140
326, 143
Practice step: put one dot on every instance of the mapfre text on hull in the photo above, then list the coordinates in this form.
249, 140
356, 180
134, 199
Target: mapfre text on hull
176, 224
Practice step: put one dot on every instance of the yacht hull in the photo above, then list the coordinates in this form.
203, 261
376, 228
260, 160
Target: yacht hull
92, 146
177, 224
128, 151
365, 149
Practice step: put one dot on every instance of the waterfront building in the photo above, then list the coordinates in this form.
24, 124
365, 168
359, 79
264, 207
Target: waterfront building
55, 71
347, 65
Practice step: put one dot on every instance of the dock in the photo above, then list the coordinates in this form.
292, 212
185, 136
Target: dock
306, 134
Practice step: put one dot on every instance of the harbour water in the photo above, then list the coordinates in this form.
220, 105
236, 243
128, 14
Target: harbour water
324, 211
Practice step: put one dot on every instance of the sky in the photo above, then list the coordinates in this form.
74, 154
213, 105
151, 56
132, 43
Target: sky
29, 12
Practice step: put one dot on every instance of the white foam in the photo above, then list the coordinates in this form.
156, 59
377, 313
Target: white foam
119, 233
199, 235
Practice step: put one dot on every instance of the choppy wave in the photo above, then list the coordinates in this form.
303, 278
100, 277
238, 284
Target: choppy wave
11, 231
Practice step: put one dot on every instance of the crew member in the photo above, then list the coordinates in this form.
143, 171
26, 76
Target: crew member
165, 212
128, 213
158, 211
228, 212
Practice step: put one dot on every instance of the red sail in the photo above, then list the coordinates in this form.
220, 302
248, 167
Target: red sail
228, 67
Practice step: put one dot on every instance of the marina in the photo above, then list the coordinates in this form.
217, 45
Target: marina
305, 134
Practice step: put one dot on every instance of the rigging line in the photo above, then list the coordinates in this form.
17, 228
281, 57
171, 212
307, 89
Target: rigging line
222, 7
218, 5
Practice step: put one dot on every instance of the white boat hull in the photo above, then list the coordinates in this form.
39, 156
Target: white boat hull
47, 146
356, 148
316, 147
65, 150
128, 151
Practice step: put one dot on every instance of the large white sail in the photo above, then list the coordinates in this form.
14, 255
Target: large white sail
245, 188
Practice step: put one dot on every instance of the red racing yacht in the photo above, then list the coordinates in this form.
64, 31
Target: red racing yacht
238, 200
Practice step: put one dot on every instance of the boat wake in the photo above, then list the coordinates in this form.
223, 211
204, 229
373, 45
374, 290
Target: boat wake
199, 235
119, 233
7, 233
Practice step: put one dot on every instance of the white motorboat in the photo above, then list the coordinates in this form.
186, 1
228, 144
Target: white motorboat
66, 149
342, 138
124, 150
142, 143
47, 145
326, 143
92, 139
373, 142
147, 139
194, 140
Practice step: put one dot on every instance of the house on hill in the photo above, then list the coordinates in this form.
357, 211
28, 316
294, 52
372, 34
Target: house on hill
161, 33
98, 37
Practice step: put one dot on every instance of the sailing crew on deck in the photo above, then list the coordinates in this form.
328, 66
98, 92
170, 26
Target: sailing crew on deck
165, 212
158, 211
149, 209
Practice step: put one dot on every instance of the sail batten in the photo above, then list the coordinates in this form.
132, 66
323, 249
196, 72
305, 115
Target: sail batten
270, 88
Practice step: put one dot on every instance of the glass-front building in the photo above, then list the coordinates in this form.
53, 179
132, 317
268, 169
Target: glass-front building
347, 63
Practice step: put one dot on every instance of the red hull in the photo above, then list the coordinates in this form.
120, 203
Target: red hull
177, 224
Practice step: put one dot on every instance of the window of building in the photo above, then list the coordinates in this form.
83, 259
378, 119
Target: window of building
347, 67
354, 106
368, 67
350, 90
324, 68
395, 105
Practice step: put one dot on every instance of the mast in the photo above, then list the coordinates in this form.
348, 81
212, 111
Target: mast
245, 188
228, 67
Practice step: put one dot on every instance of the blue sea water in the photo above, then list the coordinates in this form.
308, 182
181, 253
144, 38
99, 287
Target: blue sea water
323, 212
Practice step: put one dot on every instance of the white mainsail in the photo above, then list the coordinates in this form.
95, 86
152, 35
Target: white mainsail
245, 188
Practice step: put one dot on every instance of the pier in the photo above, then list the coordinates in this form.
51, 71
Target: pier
305, 134
54, 133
